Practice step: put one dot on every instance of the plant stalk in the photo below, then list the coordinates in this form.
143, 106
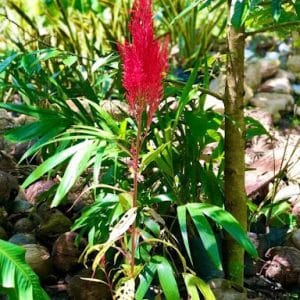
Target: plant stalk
135, 158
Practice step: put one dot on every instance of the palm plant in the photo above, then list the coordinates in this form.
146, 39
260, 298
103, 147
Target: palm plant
17, 280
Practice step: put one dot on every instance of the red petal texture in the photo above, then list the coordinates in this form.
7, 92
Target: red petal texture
144, 62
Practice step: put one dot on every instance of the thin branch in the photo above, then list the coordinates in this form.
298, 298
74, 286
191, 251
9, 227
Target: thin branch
201, 89
208, 92
273, 27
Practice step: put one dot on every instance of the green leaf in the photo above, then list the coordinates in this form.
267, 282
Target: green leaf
211, 186
6, 62
146, 277
31, 111
190, 8
166, 278
181, 215
31, 131
184, 99
16, 274
193, 284
238, 12
75, 168
30, 63
162, 198
228, 222
276, 9
207, 235
254, 128
51, 163
152, 156
42, 141
46, 54
70, 60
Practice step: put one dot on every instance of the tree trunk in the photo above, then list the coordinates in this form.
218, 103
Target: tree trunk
235, 197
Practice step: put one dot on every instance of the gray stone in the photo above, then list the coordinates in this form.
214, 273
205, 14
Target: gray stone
276, 85
214, 103
269, 67
293, 63
253, 75
217, 85
273, 102
285, 74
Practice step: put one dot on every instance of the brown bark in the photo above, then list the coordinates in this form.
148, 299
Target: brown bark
235, 197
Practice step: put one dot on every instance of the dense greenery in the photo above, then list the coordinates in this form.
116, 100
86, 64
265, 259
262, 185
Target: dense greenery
61, 57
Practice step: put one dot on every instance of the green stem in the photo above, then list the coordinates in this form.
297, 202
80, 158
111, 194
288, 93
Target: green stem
135, 189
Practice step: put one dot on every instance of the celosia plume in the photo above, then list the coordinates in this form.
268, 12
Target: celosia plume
144, 62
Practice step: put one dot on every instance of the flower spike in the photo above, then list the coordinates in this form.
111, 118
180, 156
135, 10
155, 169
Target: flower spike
145, 61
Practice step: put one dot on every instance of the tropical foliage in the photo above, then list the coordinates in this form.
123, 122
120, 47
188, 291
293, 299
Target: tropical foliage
154, 188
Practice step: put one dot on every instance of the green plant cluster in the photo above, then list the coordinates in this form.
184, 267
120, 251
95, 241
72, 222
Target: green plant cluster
70, 82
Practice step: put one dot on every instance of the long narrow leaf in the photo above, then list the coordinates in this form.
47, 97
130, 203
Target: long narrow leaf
51, 163
181, 214
146, 277
228, 222
193, 284
76, 166
166, 278
207, 235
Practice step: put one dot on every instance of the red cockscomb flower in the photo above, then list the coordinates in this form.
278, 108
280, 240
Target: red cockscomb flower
144, 62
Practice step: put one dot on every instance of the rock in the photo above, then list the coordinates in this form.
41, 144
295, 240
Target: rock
273, 102
3, 216
285, 74
217, 85
119, 110
283, 266
6, 121
80, 288
248, 54
276, 85
253, 75
20, 206
38, 259
24, 225
296, 89
53, 225
295, 237
24, 119
65, 253
19, 149
262, 43
6, 162
296, 212
224, 289
22, 239
272, 55
3, 234
284, 48
214, 103
293, 63
8, 191
33, 192
268, 67
82, 101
